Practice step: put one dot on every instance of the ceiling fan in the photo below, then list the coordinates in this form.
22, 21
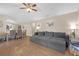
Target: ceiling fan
29, 7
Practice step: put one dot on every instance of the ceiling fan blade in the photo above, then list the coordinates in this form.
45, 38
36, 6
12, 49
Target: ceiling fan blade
24, 4
34, 5
34, 9
22, 8
29, 3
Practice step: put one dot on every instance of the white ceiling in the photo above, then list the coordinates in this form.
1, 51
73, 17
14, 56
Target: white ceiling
45, 10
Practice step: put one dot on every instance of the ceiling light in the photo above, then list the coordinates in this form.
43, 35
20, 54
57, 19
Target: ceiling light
28, 9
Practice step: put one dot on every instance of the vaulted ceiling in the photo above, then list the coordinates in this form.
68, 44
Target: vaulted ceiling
45, 10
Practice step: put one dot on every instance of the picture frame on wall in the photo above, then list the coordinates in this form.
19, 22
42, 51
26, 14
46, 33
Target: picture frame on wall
50, 24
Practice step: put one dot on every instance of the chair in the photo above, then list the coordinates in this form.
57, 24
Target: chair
12, 34
24, 34
19, 34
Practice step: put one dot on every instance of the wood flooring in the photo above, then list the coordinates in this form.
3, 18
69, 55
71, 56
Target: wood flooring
25, 47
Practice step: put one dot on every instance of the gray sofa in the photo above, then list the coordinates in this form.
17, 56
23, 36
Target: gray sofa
55, 40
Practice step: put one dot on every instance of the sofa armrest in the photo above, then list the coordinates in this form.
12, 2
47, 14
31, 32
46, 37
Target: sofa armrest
67, 40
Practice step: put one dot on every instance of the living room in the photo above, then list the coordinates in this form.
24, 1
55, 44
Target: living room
31, 32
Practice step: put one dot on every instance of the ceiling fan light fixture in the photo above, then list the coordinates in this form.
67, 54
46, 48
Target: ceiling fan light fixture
29, 10
30, 7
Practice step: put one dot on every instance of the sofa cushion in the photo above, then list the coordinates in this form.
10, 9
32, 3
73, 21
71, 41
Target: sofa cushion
49, 34
36, 33
58, 40
40, 33
59, 35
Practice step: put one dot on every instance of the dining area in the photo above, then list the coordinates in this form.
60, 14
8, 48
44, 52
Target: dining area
12, 35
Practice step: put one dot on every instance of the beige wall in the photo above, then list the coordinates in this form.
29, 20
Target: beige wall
3, 24
60, 23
